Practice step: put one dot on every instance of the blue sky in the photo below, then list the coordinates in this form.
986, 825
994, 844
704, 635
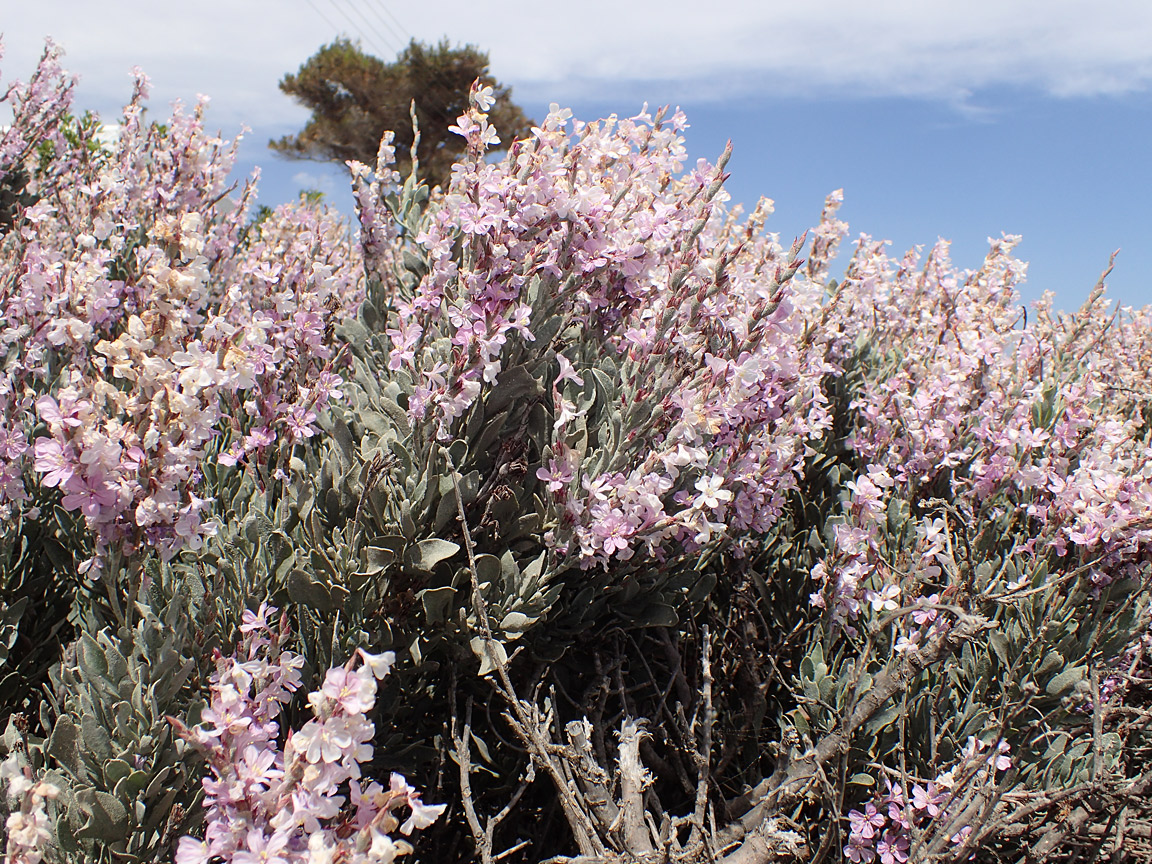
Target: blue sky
960, 119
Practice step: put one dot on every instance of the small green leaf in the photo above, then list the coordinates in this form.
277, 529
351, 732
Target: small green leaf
105, 818
485, 650
436, 602
64, 746
1066, 680
999, 644
661, 615
306, 591
428, 553
92, 660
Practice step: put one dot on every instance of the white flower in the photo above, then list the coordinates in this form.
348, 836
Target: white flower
710, 492
422, 816
483, 98
380, 664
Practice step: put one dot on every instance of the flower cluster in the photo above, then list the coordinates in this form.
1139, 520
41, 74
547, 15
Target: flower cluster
28, 826
883, 829
147, 324
967, 397
268, 805
595, 235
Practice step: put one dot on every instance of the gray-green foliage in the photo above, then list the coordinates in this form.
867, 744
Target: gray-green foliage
128, 783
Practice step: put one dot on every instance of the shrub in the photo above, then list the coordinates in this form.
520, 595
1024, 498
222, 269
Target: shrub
592, 456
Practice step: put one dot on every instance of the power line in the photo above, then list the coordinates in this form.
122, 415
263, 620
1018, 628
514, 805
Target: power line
372, 27
320, 12
388, 12
390, 28
355, 27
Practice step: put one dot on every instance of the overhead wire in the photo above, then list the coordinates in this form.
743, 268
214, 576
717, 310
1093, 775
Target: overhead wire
388, 12
356, 29
386, 41
437, 76
327, 20
407, 37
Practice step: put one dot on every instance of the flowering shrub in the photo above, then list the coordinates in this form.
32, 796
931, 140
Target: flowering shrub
883, 830
271, 805
570, 437
962, 401
584, 254
146, 325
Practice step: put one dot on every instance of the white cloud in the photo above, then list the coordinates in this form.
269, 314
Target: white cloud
314, 182
236, 51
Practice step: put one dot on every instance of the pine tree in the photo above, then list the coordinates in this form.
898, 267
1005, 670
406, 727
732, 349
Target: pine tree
355, 97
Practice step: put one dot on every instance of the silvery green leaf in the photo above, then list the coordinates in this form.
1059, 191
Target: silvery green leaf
305, 590
883, 719
490, 433
378, 558
353, 331
157, 782
514, 385
92, 660
531, 574
488, 569
12, 736
428, 553
486, 650
411, 261
9, 619
529, 523
446, 511
95, 737
64, 746
516, 623
105, 818
660, 615
1066, 680
436, 603
999, 643
64, 836
130, 786
114, 771
395, 413
1052, 661
701, 588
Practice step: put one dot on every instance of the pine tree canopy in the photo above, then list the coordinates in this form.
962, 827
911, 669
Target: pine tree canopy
355, 97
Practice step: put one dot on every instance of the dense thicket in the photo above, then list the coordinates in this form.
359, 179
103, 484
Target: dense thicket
663, 544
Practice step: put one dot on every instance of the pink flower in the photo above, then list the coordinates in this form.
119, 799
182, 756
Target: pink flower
257, 620
53, 461
263, 849
893, 849
89, 495
322, 741
193, 851
867, 823
556, 475
859, 850
927, 800
354, 692
567, 373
